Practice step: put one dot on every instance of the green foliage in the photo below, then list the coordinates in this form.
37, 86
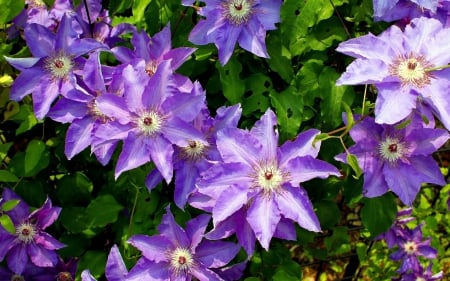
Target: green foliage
378, 213
10, 9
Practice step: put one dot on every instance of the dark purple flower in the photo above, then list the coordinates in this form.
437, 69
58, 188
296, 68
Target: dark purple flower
30, 241
30, 272
396, 159
150, 118
180, 254
229, 21
398, 228
51, 72
115, 268
257, 184
411, 247
405, 66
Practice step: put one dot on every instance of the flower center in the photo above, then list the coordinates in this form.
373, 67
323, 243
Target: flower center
150, 123
17, 277
194, 150
268, 177
411, 70
25, 232
37, 4
95, 113
391, 149
59, 65
150, 68
238, 11
410, 247
181, 260
64, 276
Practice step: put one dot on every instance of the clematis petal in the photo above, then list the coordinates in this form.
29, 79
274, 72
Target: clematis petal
263, 216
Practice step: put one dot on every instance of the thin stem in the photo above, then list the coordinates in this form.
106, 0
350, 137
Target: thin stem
364, 100
437, 68
340, 19
89, 18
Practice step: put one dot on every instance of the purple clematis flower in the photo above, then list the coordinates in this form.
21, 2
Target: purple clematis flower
152, 50
30, 241
115, 268
150, 118
405, 68
398, 228
30, 272
411, 247
422, 275
257, 184
51, 72
389, 10
229, 21
190, 161
396, 159
178, 254
85, 116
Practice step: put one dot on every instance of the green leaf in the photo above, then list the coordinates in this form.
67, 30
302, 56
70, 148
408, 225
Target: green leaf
138, 9
74, 219
17, 164
339, 241
378, 213
289, 107
256, 98
352, 161
26, 118
361, 251
10, 9
279, 60
232, 85
94, 261
288, 270
103, 210
33, 154
333, 97
328, 213
9, 205
74, 189
7, 176
7, 223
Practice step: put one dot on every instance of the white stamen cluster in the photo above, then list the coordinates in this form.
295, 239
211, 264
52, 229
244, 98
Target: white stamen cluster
150, 68
37, 4
64, 276
17, 277
150, 122
411, 70
268, 177
238, 11
181, 260
25, 232
391, 149
410, 247
194, 150
59, 65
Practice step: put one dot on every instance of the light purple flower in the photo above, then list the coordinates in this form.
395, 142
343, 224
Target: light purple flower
84, 115
190, 161
180, 254
257, 184
391, 236
152, 50
30, 241
115, 268
403, 65
396, 159
51, 72
389, 10
229, 21
150, 118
